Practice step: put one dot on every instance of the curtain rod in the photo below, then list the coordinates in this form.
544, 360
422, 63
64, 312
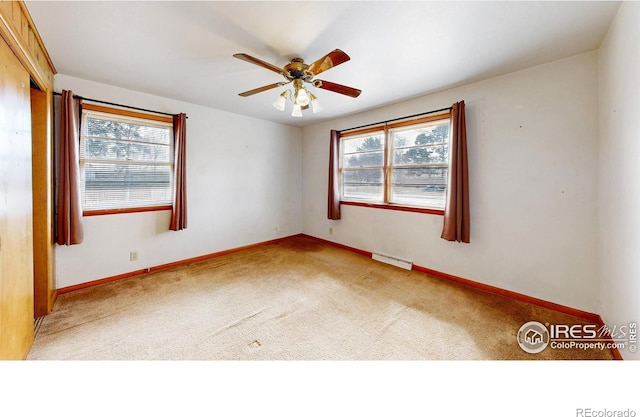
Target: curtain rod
116, 104
396, 119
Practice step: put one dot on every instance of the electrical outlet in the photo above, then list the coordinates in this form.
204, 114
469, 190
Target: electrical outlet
133, 255
277, 229
331, 230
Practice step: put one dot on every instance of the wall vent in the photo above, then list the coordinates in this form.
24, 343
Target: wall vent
401, 263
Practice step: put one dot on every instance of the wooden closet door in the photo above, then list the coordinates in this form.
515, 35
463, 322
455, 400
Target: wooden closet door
16, 212
43, 294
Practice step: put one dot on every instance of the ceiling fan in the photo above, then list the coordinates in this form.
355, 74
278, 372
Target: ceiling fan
298, 73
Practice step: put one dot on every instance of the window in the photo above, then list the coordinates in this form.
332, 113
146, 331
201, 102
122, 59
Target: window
401, 165
126, 160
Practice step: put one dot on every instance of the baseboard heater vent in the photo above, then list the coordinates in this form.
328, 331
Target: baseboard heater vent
392, 261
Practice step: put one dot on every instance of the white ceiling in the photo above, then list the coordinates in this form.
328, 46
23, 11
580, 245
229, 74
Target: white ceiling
183, 49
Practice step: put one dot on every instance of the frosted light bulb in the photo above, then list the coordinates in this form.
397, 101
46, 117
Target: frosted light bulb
279, 103
302, 98
297, 111
316, 106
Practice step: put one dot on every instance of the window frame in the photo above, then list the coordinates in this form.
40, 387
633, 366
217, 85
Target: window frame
387, 167
112, 111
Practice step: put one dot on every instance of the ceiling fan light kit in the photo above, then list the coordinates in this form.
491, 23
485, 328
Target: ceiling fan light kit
298, 73
301, 100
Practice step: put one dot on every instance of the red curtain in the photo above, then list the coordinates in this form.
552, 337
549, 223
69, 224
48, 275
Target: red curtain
333, 211
69, 230
456, 213
179, 212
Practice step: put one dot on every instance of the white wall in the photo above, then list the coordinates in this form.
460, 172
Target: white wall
620, 170
243, 181
532, 143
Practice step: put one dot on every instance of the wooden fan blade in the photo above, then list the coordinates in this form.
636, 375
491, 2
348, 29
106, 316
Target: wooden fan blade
258, 62
330, 60
261, 89
337, 88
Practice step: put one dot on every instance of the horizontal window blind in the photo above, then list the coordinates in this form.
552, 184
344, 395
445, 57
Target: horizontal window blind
125, 162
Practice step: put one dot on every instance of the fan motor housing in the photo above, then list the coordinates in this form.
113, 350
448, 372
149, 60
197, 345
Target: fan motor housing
297, 70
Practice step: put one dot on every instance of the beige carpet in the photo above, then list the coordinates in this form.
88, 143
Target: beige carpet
299, 299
